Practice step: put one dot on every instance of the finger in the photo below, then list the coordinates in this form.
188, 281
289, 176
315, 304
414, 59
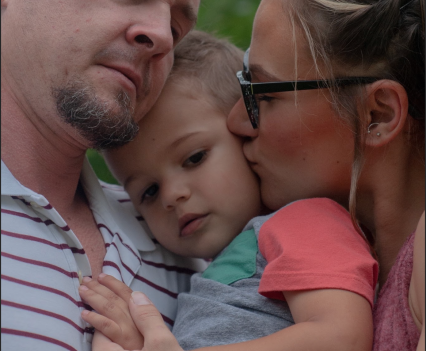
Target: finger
151, 325
112, 309
106, 292
101, 342
116, 286
105, 325
100, 288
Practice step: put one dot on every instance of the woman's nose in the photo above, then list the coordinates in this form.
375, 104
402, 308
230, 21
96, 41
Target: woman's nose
239, 122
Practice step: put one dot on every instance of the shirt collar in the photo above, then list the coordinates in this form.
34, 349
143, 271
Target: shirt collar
11, 186
112, 211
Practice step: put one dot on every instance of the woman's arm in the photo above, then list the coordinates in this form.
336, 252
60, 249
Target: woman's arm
417, 285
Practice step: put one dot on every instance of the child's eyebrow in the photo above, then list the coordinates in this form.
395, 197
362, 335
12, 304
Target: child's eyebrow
182, 139
128, 180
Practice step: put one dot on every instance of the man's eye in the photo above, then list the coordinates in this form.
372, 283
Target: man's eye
195, 159
150, 193
175, 34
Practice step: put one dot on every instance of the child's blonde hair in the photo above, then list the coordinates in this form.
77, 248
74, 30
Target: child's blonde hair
205, 62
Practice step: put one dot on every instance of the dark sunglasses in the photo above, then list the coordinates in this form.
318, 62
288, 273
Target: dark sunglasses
251, 89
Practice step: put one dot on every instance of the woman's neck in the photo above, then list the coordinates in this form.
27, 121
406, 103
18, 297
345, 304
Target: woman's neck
390, 202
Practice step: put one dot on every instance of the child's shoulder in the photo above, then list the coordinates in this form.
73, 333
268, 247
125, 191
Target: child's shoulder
305, 209
309, 217
316, 206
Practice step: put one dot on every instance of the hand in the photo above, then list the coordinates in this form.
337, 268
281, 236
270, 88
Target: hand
109, 297
151, 325
101, 343
149, 322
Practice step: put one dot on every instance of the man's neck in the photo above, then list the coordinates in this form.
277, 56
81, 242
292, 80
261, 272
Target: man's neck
44, 159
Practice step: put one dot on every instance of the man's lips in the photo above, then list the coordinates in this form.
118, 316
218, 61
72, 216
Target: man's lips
189, 223
130, 73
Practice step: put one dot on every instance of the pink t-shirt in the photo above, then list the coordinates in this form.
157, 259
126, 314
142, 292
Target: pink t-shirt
394, 326
312, 244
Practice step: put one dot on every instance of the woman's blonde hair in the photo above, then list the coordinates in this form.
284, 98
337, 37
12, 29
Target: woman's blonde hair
379, 38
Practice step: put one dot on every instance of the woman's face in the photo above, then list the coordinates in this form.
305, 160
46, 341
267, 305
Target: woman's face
301, 148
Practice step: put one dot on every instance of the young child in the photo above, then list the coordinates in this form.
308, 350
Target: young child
301, 272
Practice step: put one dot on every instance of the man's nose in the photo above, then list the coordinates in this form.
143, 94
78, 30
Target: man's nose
153, 36
238, 121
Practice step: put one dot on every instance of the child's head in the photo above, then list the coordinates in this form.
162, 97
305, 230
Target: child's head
185, 172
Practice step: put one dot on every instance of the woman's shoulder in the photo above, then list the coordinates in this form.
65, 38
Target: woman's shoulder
417, 284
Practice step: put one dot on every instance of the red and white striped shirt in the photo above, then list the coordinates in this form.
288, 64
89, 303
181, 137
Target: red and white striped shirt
42, 259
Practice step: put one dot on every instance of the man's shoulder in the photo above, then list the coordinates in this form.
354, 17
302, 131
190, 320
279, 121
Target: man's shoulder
114, 191
117, 194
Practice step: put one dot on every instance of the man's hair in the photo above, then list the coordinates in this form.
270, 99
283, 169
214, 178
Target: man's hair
205, 62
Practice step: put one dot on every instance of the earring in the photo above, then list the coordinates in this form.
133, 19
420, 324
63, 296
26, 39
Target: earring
372, 124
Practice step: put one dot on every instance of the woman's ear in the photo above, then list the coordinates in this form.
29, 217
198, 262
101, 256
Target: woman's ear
387, 110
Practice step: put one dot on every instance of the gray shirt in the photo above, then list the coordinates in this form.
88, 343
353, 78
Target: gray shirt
223, 305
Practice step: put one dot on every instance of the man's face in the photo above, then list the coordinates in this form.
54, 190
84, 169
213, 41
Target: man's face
95, 63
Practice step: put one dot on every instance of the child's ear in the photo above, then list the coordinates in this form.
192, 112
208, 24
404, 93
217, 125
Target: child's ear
387, 110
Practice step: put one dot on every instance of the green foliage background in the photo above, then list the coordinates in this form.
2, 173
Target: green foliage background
231, 19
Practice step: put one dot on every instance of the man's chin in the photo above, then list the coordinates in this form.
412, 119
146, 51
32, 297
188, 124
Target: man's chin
102, 125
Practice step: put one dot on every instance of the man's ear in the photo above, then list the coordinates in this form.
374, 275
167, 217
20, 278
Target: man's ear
387, 110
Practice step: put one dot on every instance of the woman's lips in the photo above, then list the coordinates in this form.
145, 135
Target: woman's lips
189, 223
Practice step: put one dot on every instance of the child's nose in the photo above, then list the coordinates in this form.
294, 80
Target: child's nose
239, 122
173, 194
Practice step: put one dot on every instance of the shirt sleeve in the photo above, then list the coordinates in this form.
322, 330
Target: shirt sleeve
312, 244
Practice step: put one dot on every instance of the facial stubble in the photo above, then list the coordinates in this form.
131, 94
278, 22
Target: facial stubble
103, 125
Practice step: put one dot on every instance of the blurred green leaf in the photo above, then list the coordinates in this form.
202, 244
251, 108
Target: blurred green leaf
231, 19
100, 167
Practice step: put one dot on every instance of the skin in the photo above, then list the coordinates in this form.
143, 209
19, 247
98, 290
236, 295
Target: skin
98, 36
64, 41
155, 164
390, 190
300, 140
183, 162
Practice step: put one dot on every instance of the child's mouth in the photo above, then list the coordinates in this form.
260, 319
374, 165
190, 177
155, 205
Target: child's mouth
189, 223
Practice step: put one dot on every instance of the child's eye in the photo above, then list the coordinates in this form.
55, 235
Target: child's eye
150, 193
195, 159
